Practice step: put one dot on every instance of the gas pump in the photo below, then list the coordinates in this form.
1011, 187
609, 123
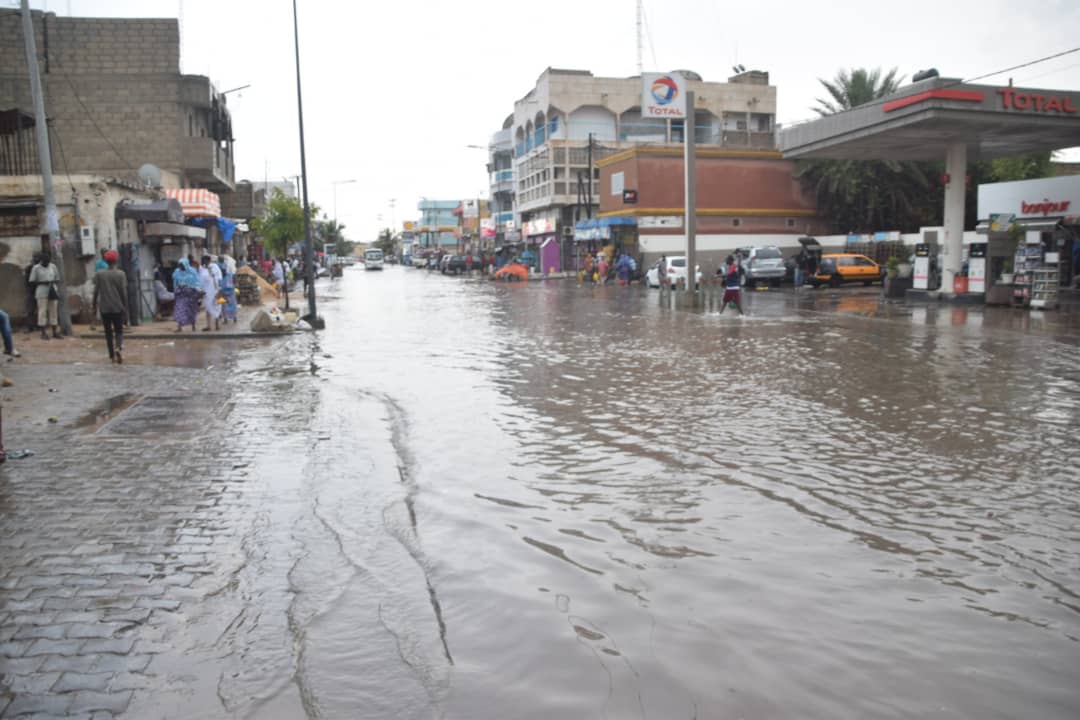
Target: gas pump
921, 272
977, 267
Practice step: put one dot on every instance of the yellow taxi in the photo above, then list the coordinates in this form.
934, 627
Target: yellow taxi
837, 268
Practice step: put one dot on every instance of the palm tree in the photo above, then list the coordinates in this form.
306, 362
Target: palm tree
866, 195
857, 87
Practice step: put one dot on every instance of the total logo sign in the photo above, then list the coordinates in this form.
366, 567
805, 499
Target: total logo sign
663, 95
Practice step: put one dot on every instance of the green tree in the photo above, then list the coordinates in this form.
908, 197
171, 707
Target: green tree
385, 242
866, 195
857, 87
331, 231
283, 223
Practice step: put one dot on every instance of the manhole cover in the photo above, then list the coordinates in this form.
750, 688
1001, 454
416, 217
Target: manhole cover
161, 415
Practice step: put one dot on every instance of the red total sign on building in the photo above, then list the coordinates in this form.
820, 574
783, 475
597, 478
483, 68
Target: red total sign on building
1013, 100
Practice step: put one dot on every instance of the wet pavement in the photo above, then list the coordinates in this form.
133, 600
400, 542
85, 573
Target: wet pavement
542, 500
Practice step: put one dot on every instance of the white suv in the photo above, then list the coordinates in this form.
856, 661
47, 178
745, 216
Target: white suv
675, 271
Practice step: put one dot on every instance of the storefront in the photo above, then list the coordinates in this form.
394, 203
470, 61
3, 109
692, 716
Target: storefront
539, 233
591, 236
1030, 238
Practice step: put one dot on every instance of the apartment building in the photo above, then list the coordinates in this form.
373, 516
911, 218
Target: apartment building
501, 183
571, 119
116, 99
440, 223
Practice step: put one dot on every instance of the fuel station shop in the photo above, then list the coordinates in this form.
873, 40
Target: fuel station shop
1027, 249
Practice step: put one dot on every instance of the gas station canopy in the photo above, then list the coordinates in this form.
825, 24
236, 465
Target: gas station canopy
921, 120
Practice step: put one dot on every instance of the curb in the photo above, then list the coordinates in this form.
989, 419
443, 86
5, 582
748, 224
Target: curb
194, 336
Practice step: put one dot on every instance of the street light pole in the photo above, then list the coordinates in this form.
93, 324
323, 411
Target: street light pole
309, 254
41, 134
336, 183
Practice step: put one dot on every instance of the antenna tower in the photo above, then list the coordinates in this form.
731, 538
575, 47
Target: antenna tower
640, 12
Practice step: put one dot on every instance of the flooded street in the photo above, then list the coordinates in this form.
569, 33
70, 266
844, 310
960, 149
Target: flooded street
540, 501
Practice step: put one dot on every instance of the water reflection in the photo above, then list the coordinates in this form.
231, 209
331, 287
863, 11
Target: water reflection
860, 497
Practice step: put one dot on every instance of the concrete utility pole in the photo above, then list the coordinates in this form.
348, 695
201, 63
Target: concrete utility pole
41, 132
309, 251
691, 196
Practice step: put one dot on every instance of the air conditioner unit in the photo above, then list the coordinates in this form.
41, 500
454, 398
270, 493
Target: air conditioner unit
86, 241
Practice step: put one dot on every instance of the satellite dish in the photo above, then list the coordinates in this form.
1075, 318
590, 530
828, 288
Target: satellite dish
150, 175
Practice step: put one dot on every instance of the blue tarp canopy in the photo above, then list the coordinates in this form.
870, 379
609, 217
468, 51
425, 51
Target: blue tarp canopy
600, 228
227, 227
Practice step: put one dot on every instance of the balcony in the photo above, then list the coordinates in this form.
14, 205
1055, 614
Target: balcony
206, 163
502, 181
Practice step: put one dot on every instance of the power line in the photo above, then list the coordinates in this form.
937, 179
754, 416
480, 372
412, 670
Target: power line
882, 101
1051, 72
93, 122
1024, 65
63, 157
648, 34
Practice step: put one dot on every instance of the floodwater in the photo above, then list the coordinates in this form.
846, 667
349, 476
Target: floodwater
552, 501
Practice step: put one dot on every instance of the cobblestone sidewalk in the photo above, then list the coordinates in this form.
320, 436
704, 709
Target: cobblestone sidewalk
106, 537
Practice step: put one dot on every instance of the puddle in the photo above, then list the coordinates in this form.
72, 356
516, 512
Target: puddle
105, 412
163, 416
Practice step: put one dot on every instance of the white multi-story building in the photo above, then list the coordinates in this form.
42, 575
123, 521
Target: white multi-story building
552, 124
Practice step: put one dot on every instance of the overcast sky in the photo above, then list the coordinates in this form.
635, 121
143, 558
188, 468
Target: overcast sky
395, 91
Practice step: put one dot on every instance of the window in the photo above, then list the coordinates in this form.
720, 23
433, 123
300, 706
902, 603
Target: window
845, 261
190, 125
863, 262
790, 222
678, 262
768, 253
740, 124
736, 222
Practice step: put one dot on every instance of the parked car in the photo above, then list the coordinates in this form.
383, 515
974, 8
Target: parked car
676, 271
419, 261
460, 263
763, 264
837, 268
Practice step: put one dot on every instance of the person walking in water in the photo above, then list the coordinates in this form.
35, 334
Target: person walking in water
110, 295
731, 286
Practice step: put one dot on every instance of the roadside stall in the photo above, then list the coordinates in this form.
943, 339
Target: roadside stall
594, 234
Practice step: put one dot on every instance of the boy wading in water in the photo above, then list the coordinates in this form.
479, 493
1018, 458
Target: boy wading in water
732, 293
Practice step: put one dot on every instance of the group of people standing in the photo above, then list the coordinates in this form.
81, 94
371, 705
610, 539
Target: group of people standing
207, 285
601, 270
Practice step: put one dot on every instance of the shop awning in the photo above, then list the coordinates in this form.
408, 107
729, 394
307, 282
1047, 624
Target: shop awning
197, 202
600, 228
158, 211
983, 228
172, 230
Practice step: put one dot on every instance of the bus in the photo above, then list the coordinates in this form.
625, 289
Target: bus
373, 259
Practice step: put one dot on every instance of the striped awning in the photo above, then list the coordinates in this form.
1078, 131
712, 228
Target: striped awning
197, 202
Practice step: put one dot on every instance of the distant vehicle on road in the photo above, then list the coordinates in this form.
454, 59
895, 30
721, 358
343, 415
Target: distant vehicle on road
763, 264
676, 272
838, 268
419, 261
373, 259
